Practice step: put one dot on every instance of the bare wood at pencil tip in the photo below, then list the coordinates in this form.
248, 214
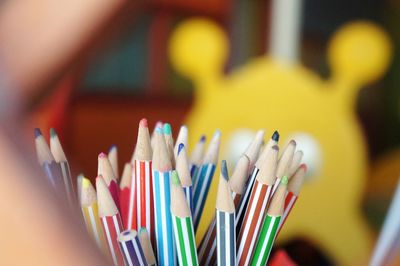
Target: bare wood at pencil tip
146, 246
179, 205
56, 147
224, 201
253, 149
297, 180
88, 193
268, 168
113, 158
104, 169
43, 152
126, 176
105, 201
161, 158
277, 202
182, 138
212, 152
296, 161
182, 167
286, 159
239, 177
143, 151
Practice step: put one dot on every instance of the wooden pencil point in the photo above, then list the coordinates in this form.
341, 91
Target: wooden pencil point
37, 132
53, 132
275, 136
143, 122
102, 155
167, 129
224, 170
175, 178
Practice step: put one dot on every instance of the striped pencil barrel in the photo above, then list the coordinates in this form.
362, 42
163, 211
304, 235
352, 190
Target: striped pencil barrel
257, 207
162, 168
131, 248
294, 187
270, 226
146, 246
225, 214
241, 210
182, 224
144, 180
88, 201
207, 249
110, 220
197, 157
125, 193
204, 178
182, 167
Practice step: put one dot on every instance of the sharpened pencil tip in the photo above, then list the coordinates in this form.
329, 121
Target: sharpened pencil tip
38, 133
304, 166
159, 130
143, 122
217, 134
53, 133
158, 124
167, 129
175, 178
142, 230
180, 147
102, 155
203, 138
85, 182
224, 170
112, 148
292, 142
275, 136
284, 180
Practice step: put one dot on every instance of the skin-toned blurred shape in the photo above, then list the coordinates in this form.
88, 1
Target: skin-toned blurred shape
38, 41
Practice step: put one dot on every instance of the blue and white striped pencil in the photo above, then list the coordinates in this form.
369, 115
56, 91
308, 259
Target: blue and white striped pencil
225, 213
166, 253
182, 167
197, 157
204, 177
131, 248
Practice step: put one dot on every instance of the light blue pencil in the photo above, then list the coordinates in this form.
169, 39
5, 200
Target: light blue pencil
204, 177
166, 252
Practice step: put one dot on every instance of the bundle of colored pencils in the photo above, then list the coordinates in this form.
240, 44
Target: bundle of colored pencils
149, 214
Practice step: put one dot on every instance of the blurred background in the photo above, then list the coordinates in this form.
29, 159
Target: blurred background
116, 69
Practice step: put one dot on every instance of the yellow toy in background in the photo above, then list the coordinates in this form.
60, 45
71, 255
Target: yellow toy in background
270, 94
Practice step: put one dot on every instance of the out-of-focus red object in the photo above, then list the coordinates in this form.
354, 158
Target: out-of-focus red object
281, 258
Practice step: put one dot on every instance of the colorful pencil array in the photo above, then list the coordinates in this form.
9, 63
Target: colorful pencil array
159, 198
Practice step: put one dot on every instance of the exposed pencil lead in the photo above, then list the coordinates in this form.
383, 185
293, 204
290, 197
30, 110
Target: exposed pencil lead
112, 147
159, 130
224, 170
180, 147
142, 229
102, 155
275, 136
203, 138
38, 133
284, 180
143, 122
175, 178
167, 129
53, 133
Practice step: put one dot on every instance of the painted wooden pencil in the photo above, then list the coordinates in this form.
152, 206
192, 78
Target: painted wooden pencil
294, 187
296, 161
61, 159
113, 158
207, 249
253, 150
88, 202
197, 157
258, 202
166, 253
182, 138
125, 187
170, 142
131, 248
105, 170
204, 177
284, 163
182, 224
144, 182
110, 220
241, 210
270, 226
225, 213
146, 246
182, 167
51, 168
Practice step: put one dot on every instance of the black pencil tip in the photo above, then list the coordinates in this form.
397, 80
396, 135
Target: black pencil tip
224, 170
275, 136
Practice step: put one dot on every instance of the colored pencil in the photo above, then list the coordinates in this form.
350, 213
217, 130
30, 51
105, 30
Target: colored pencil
197, 157
105, 170
207, 250
182, 167
144, 182
294, 187
146, 246
284, 163
204, 177
182, 138
182, 224
131, 248
110, 219
113, 158
51, 168
258, 202
250, 181
296, 161
79, 179
88, 202
253, 150
158, 124
59, 156
270, 225
162, 168
170, 142
225, 213
125, 186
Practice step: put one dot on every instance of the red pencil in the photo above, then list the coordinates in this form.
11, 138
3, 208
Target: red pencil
105, 170
125, 192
